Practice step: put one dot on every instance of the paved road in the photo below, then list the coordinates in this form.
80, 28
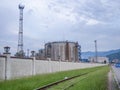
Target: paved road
117, 74
111, 85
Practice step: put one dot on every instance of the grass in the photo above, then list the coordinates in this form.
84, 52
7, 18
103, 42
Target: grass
97, 80
32, 82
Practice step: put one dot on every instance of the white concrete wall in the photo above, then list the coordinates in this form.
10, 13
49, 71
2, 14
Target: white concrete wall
20, 67
25, 67
41, 67
2, 68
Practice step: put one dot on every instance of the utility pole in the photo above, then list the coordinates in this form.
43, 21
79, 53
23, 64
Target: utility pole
96, 59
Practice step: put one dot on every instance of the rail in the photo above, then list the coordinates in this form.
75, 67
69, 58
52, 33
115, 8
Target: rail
63, 80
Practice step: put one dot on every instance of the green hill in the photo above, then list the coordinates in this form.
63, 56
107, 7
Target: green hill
114, 56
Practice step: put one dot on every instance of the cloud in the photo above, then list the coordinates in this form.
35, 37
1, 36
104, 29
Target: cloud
93, 22
55, 20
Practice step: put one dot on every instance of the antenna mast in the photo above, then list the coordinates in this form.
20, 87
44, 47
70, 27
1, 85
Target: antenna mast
20, 51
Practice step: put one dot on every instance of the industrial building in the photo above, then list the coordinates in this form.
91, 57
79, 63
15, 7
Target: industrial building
40, 54
99, 59
63, 51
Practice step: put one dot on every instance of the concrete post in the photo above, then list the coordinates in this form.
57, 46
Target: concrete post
33, 66
59, 64
33, 62
7, 66
50, 67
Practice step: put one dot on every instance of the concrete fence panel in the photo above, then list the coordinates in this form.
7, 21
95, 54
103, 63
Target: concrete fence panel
21, 67
2, 68
41, 66
11, 68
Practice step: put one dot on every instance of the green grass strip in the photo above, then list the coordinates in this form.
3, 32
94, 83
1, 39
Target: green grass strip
97, 80
32, 82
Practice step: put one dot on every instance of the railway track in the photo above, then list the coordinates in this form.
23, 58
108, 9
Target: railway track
60, 81
63, 80
72, 84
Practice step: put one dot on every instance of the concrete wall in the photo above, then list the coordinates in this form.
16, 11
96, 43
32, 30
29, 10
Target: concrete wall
20, 67
2, 68
11, 68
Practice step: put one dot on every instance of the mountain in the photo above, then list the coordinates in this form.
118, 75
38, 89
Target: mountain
86, 55
114, 56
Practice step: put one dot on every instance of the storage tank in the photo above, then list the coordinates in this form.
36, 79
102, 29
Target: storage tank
62, 51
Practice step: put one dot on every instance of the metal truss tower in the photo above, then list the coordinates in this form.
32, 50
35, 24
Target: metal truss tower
20, 37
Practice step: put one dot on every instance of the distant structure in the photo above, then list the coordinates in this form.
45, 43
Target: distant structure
103, 60
28, 53
96, 56
40, 54
20, 52
62, 51
79, 52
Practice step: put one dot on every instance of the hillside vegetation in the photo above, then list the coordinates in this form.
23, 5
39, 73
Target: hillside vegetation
86, 55
114, 56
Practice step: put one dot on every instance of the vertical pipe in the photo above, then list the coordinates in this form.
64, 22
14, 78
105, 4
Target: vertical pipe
67, 50
28, 53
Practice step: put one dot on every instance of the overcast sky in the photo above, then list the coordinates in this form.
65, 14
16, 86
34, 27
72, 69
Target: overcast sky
60, 20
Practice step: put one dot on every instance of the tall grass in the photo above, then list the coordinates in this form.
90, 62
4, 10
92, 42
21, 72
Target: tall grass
32, 82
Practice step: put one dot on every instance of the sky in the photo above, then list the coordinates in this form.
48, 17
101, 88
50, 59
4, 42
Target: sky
81, 21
